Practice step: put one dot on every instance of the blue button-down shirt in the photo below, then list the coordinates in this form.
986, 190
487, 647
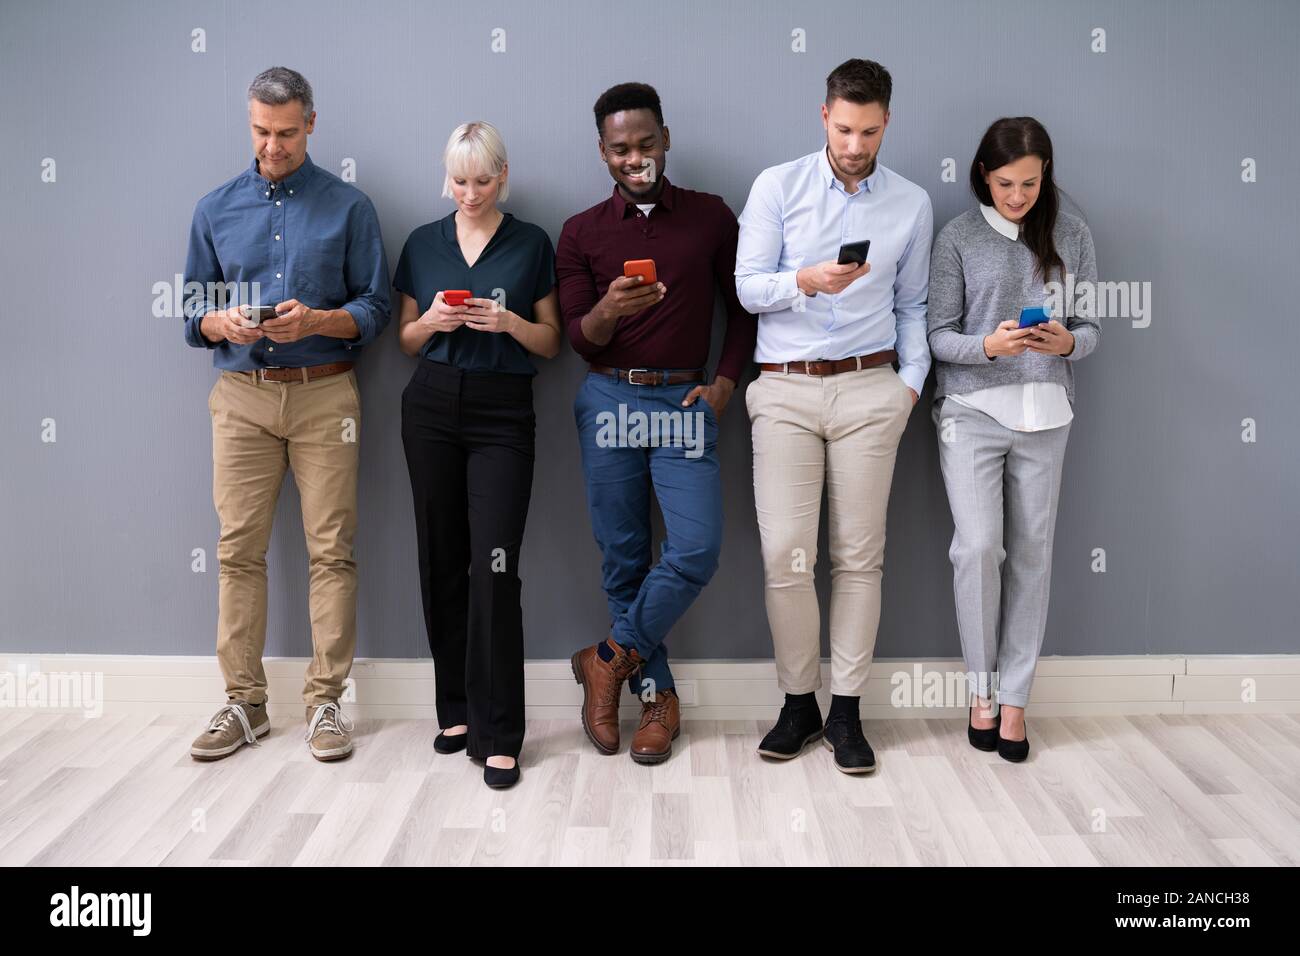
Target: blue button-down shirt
310, 237
799, 214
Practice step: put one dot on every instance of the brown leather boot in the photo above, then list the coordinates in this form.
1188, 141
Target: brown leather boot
661, 722
601, 685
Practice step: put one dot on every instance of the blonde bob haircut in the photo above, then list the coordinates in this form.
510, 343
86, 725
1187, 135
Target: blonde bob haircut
475, 149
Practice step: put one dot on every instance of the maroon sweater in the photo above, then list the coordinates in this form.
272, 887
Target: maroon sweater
691, 236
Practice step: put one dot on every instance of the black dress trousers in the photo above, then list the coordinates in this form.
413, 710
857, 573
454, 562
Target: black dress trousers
469, 442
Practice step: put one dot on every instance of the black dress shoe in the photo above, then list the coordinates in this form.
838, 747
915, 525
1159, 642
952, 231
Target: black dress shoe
983, 739
843, 736
450, 745
796, 728
499, 779
1014, 750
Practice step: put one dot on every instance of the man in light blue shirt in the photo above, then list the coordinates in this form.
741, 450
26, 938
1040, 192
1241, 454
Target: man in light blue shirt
828, 408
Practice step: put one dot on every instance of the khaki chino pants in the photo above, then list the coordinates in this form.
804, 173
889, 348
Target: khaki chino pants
840, 432
258, 429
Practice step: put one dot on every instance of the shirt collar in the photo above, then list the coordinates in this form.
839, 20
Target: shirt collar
832, 181
622, 208
1000, 222
294, 182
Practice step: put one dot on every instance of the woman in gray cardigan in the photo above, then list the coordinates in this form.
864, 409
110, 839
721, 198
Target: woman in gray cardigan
1003, 408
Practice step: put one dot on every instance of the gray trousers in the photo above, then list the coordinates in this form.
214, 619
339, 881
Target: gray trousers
1003, 488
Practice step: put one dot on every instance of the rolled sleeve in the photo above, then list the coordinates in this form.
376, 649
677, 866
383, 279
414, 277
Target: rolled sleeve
365, 270
201, 267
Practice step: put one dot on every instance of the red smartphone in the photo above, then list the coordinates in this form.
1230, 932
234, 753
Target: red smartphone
645, 268
455, 296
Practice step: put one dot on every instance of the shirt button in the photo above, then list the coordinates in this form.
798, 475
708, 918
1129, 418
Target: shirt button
270, 348
277, 238
278, 276
290, 192
277, 202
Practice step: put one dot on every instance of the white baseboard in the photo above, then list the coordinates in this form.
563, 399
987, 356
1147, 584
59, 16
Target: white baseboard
710, 690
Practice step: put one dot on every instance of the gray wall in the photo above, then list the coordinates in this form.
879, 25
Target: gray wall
1199, 528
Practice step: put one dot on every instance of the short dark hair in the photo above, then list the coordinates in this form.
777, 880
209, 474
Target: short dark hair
859, 81
627, 96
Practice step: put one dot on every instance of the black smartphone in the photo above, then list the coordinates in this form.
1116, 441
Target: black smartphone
256, 315
854, 253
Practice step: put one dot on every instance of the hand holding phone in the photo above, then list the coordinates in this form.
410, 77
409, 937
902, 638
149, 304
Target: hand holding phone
830, 277
456, 297
638, 288
1007, 339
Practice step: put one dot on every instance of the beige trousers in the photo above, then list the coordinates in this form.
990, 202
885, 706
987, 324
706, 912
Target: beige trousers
259, 429
840, 432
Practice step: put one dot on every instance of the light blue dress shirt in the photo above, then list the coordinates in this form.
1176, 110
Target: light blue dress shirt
799, 214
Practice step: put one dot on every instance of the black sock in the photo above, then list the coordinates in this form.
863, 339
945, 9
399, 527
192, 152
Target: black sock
802, 702
604, 651
844, 707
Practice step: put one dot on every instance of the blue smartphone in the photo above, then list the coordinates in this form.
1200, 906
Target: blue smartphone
1029, 317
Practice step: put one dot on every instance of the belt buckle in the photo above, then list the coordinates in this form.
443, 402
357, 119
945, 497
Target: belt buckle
631, 380
261, 376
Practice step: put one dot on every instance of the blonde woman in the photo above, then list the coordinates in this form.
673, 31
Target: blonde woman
467, 430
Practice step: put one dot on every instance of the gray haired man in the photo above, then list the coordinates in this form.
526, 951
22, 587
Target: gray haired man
286, 234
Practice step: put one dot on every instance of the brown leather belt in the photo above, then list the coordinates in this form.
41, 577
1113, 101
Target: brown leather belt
306, 373
650, 376
835, 366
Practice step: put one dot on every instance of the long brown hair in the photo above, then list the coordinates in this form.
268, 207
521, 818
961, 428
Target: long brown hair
1007, 140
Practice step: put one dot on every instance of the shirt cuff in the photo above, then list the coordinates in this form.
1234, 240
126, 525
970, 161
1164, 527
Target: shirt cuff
787, 285
194, 333
912, 377
365, 327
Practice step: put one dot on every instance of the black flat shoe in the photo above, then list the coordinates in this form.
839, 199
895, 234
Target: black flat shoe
499, 779
1014, 750
843, 736
796, 728
986, 740
450, 745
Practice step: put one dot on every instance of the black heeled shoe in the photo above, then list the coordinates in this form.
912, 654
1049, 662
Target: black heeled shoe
450, 745
499, 779
986, 740
1014, 750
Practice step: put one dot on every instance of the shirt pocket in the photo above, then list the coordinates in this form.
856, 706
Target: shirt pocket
318, 274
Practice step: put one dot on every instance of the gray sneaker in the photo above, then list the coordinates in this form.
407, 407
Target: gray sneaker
329, 733
235, 724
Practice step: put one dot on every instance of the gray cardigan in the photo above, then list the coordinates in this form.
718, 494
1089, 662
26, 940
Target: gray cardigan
978, 278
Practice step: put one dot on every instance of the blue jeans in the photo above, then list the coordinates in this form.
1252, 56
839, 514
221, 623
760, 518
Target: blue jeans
675, 457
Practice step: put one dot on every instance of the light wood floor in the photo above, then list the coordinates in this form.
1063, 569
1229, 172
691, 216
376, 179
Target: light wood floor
122, 789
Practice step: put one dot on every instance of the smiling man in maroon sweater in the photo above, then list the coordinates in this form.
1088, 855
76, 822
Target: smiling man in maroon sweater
647, 414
